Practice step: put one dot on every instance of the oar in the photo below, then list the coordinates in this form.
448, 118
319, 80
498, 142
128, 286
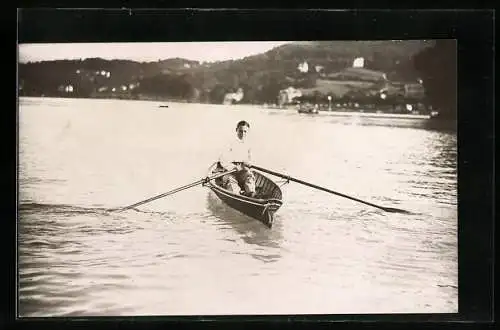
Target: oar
175, 190
387, 209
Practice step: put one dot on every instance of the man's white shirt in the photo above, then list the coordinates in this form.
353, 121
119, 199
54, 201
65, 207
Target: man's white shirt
237, 151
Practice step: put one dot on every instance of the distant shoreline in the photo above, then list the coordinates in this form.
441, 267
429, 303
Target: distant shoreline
336, 113
163, 103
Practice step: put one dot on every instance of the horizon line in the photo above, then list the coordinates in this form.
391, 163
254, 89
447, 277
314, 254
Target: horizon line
150, 52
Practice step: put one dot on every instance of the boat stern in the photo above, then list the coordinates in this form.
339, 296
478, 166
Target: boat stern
269, 210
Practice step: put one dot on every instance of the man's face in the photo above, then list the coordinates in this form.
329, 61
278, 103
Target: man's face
242, 132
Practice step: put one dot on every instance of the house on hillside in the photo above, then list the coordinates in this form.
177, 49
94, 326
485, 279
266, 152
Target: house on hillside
286, 96
231, 98
303, 67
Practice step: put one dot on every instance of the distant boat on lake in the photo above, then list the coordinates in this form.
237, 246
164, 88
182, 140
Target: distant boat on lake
308, 108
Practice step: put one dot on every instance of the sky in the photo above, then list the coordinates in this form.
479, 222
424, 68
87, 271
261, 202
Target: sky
144, 52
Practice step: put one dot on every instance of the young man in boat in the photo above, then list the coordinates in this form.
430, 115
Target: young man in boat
239, 151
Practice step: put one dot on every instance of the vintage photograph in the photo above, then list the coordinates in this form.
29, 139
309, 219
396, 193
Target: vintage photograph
237, 178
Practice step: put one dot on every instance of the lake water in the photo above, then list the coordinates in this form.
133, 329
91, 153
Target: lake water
189, 254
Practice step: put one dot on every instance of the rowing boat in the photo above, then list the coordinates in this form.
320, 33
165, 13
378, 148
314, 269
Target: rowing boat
262, 207
266, 202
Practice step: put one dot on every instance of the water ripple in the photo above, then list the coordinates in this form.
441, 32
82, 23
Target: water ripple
79, 256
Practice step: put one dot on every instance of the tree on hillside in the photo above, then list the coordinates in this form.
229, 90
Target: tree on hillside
217, 93
438, 69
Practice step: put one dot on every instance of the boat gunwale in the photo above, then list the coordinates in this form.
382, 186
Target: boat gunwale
246, 199
242, 198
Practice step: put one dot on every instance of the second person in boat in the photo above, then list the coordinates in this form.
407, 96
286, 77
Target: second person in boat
239, 151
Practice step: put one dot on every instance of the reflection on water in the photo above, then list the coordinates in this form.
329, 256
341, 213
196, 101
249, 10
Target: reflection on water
190, 254
250, 230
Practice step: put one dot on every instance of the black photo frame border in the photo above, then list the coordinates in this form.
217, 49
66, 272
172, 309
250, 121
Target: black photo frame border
472, 29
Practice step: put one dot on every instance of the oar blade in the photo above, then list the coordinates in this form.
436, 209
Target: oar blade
396, 210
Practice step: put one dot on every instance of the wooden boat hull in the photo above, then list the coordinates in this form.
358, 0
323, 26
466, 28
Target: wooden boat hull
261, 208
